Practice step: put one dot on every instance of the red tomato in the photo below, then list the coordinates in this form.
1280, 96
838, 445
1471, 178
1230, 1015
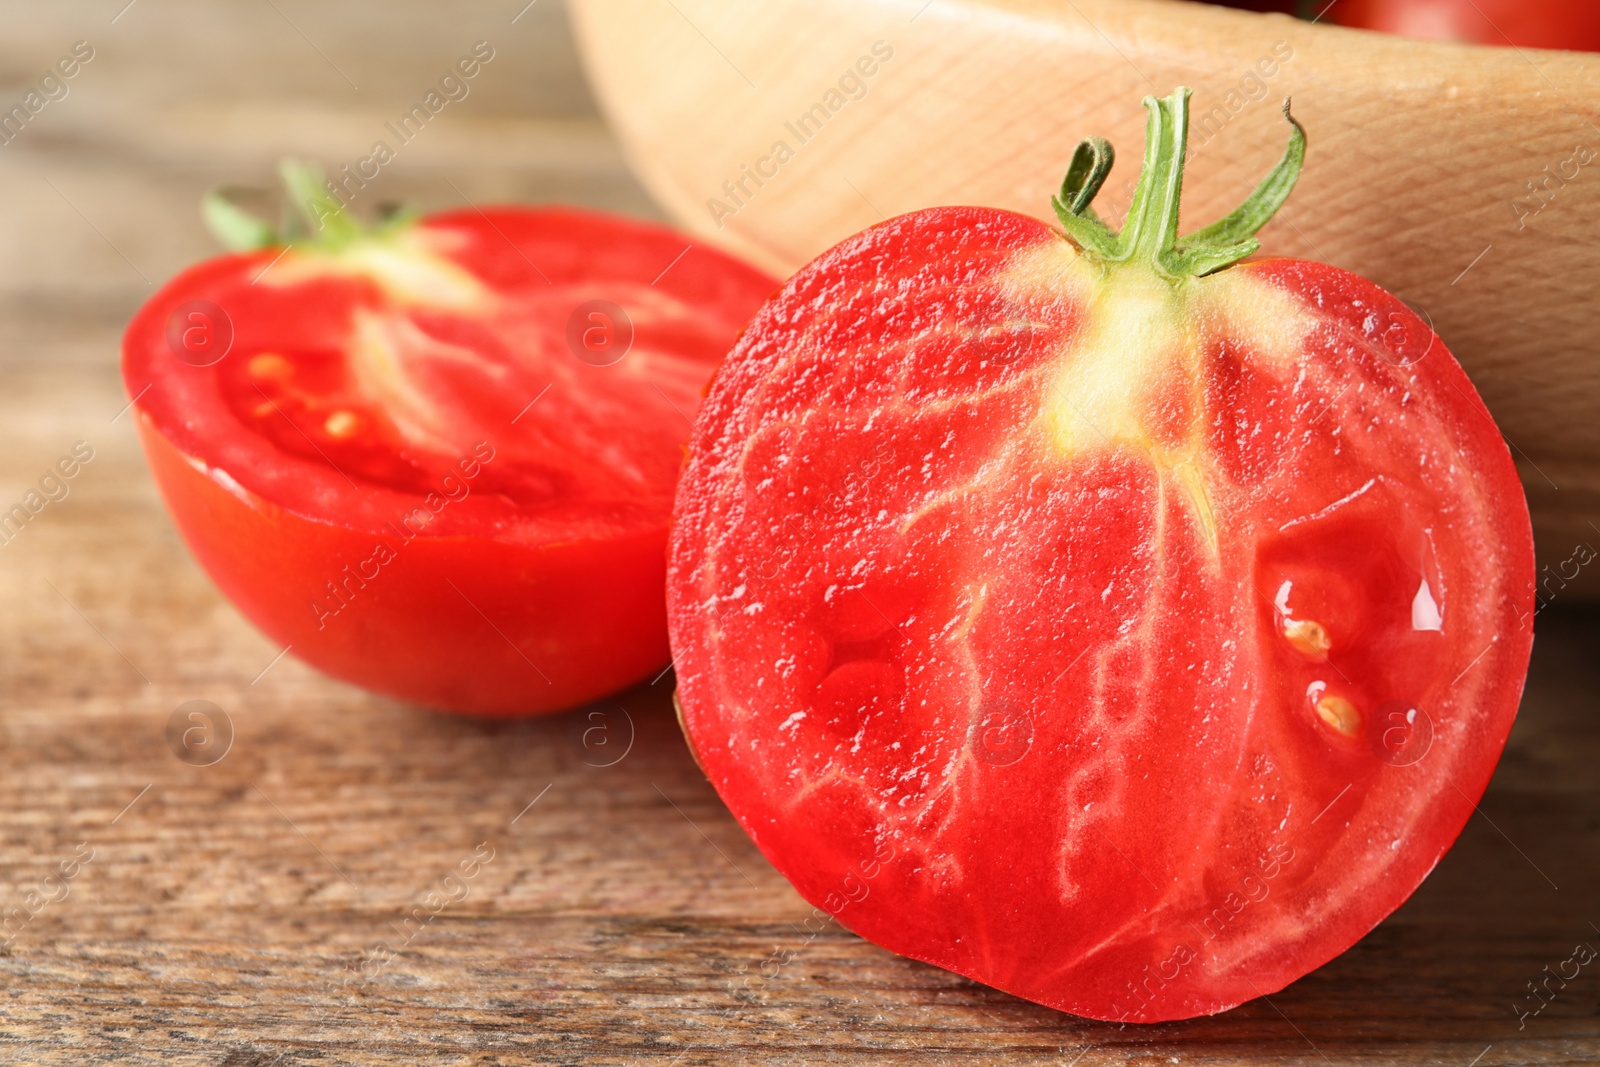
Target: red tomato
434, 459
1569, 24
1124, 631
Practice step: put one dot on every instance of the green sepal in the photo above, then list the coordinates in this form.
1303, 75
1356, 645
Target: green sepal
324, 218
313, 215
1268, 197
1203, 260
237, 229
1090, 235
1091, 162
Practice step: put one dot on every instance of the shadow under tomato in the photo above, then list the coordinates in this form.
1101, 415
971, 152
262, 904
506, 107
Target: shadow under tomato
1454, 964
1448, 971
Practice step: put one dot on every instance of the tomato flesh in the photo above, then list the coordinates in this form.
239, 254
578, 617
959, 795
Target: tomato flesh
1132, 646
424, 463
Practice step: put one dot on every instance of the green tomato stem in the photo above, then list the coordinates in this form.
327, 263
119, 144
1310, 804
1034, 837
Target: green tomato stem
1150, 232
319, 219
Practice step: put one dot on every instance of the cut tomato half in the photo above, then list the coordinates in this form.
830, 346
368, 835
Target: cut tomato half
1086, 614
437, 460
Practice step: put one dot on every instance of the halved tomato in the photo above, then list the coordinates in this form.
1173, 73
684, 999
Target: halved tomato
1086, 614
437, 458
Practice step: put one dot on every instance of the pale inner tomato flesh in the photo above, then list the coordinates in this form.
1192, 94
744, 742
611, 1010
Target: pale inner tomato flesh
413, 385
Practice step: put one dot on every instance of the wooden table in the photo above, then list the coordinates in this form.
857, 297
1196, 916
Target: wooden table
221, 914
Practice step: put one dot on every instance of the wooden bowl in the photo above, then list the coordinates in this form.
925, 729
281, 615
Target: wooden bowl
1465, 179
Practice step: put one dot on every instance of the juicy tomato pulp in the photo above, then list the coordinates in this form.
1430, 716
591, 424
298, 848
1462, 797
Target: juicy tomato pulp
439, 463
1522, 23
1132, 646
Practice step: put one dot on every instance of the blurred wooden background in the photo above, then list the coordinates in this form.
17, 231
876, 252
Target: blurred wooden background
624, 918
1420, 175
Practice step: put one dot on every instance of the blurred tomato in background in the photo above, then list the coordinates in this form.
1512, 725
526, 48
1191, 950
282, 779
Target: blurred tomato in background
1568, 24
1287, 7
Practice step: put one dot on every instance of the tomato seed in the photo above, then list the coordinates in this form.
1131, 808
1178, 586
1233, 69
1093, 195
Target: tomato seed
1308, 636
341, 424
270, 365
1340, 714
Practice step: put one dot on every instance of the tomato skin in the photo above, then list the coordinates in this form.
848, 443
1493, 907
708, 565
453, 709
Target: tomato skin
450, 582
408, 633
949, 836
1522, 23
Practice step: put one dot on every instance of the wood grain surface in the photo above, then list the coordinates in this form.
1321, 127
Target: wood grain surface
304, 898
1452, 175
